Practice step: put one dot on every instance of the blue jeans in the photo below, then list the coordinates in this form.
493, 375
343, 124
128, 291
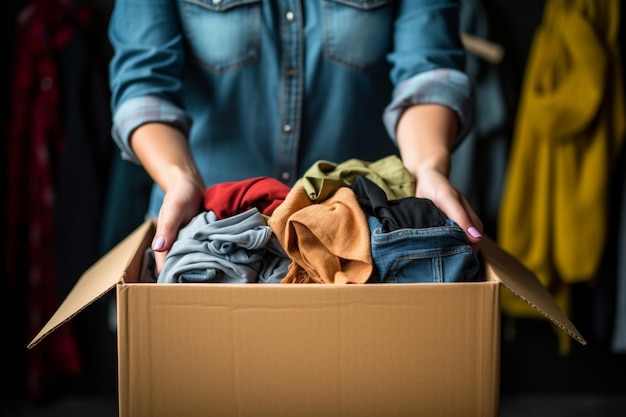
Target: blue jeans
432, 254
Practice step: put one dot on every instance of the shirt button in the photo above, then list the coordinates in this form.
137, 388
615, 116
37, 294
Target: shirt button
290, 16
291, 72
285, 175
287, 128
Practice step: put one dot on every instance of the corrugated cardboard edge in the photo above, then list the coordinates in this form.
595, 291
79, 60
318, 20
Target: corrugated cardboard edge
96, 281
518, 279
111, 269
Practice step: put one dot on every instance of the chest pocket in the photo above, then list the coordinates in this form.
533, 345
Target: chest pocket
357, 33
223, 34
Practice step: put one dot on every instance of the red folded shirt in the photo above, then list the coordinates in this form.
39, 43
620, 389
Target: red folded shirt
233, 197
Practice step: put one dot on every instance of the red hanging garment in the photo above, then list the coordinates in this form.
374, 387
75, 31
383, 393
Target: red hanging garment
35, 143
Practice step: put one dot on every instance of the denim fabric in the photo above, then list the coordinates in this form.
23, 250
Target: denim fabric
432, 254
267, 88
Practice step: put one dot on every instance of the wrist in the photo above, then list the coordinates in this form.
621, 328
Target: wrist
439, 164
425, 136
187, 175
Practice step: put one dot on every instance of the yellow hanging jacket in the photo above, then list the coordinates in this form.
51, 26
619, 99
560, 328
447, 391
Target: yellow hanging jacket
569, 130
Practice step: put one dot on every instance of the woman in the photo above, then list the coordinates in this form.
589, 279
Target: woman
207, 91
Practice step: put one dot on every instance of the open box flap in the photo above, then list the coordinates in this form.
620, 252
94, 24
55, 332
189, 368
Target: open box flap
524, 284
96, 281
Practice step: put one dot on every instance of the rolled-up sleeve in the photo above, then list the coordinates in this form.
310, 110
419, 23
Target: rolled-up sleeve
447, 87
137, 111
145, 72
428, 63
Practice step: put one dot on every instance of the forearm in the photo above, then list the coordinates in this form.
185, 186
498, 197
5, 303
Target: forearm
426, 134
164, 153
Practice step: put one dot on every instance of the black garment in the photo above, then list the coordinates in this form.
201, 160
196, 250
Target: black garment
409, 212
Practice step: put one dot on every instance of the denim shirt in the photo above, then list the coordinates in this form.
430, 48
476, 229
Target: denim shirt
268, 88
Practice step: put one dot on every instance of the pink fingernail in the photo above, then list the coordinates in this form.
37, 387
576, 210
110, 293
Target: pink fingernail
159, 243
474, 232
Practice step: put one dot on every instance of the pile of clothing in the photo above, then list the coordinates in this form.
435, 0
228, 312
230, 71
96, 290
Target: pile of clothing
351, 222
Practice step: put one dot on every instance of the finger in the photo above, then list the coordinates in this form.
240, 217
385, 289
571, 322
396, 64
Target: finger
162, 242
164, 236
168, 224
159, 258
458, 209
474, 219
473, 229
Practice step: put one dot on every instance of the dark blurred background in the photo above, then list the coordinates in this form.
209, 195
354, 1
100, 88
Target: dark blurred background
74, 372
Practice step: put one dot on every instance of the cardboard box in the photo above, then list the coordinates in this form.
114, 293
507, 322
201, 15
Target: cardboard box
300, 350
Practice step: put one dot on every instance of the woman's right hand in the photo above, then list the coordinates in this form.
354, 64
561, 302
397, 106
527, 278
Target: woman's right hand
182, 202
164, 152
